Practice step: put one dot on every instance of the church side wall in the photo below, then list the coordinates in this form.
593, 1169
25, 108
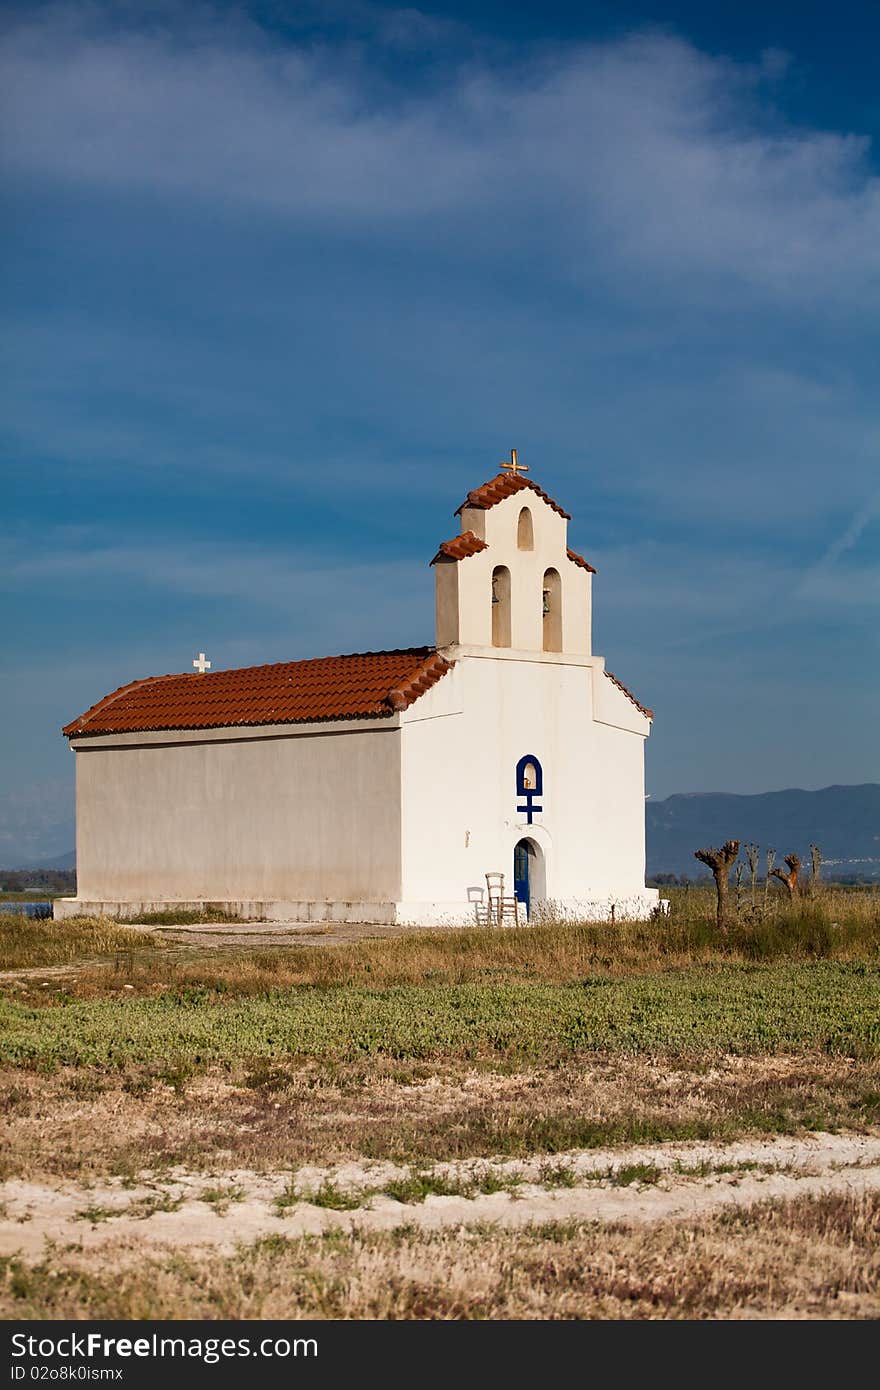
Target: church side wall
289, 818
612, 827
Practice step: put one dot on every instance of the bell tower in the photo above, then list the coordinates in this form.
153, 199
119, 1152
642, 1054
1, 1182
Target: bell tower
508, 582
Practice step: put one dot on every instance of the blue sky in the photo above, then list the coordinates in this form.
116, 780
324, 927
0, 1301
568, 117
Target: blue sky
281, 282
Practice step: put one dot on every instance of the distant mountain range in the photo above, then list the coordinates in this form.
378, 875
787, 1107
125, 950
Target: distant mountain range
36, 823
843, 821
57, 861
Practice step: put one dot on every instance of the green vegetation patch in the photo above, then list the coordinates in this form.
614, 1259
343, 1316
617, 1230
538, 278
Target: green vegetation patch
328, 1195
831, 1006
645, 1174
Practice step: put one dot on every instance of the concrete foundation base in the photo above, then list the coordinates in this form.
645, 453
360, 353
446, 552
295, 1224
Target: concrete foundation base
630, 907
248, 909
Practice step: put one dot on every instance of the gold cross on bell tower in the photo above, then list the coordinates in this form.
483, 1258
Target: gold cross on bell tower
514, 466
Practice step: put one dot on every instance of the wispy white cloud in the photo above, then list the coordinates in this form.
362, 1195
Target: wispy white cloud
641, 173
850, 537
198, 567
298, 603
643, 152
857, 587
854, 585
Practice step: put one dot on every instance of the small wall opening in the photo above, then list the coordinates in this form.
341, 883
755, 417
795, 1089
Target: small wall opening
501, 606
525, 531
551, 606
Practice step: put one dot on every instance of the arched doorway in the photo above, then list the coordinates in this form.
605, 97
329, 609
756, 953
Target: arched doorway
528, 873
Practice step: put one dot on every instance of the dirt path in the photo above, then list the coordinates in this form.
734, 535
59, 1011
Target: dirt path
235, 935
182, 1209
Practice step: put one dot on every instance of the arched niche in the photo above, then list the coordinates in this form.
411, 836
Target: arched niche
501, 606
525, 531
551, 607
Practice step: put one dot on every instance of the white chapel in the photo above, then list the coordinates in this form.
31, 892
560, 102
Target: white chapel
387, 787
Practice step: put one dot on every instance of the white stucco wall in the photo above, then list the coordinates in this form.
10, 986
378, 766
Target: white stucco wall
498, 528
461, 744
241, 814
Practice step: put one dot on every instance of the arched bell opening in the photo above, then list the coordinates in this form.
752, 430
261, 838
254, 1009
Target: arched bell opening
551, 608
501, 606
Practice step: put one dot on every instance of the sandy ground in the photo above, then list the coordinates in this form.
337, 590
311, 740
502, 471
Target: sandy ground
186, 1210
209, 936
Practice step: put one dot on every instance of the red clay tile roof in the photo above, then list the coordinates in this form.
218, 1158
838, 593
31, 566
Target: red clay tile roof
364, 685
579, 560
460, 547
505, 485
649, 713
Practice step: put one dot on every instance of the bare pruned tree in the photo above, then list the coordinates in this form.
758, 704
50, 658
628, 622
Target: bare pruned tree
752, 856
738, 885
816, 862
720, 861
790, 879
771, 860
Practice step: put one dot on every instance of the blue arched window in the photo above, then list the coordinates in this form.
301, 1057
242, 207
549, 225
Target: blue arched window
529, 786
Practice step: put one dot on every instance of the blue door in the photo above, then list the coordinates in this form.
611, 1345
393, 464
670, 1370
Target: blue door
521, 873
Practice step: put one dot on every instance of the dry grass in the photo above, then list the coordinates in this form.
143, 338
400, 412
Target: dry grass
268, 1116
841, 926
815, 1257
26, 941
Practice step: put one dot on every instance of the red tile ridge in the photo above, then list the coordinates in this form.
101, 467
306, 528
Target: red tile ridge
431, 670
648, 713
579, 560
356, 685
103, 704
459, 548
502, 486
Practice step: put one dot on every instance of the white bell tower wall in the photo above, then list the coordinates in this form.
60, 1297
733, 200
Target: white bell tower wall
528, 539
